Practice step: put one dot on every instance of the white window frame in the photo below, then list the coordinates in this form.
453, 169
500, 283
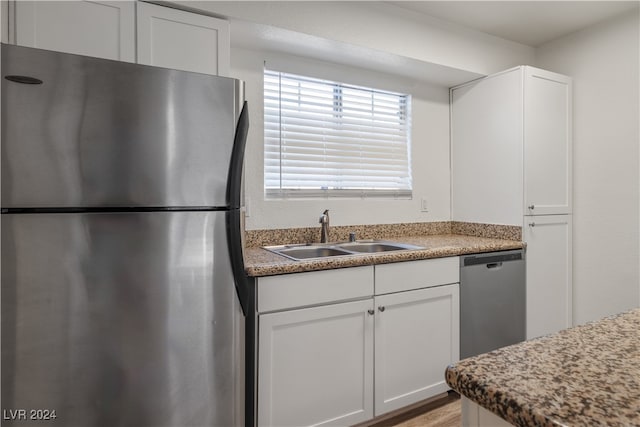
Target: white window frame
313, 127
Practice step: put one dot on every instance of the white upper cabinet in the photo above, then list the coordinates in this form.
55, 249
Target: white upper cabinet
511, 146
547, 143
100, 29
125, 31
486, 150
182, 40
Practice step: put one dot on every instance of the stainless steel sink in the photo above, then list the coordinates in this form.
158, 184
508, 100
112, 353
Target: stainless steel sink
313, 251
376, 246
306, 252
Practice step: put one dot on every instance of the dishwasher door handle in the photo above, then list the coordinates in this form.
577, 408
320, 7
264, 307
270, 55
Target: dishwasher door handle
491, 259
494, 265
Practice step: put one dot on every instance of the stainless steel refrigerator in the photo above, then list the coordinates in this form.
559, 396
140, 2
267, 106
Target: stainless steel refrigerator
122, 282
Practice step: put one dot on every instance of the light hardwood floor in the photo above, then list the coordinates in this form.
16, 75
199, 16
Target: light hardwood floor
448, 415
442, 412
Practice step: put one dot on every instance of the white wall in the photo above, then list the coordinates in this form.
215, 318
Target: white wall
430, 150
604, 63
379, 27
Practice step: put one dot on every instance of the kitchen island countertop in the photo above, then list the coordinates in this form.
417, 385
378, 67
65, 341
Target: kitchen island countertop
260, 262
586, 375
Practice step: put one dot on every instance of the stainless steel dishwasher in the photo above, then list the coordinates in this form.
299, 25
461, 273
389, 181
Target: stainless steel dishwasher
492, 301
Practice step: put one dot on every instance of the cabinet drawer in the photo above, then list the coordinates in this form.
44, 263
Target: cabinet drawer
315, 287
404, 276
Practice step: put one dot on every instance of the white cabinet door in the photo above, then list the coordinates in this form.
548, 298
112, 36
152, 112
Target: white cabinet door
103, 29
182, 40
547, 143
417, 336
549, 287
486, 150
511, 147
315, 365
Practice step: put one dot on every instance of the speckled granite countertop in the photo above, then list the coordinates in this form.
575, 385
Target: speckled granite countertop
584, 376
260, 262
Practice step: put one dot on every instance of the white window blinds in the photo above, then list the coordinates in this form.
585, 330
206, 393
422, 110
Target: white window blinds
323, 138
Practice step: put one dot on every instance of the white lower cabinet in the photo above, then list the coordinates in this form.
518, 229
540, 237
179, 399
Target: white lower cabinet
416, 337
322, 361
315, 365
549, 260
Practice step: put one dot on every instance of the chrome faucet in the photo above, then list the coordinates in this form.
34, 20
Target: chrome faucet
324, 227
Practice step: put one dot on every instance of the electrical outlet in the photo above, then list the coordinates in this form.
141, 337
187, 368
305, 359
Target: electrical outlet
424, 207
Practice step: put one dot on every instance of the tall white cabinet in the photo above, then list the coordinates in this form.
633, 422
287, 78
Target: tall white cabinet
511, 155
131, 31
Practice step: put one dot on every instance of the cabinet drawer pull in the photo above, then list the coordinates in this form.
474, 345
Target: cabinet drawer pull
371, 312
532, 207
381, 308
540, 224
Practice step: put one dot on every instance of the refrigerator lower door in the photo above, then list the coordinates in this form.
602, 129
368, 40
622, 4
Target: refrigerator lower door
120, 319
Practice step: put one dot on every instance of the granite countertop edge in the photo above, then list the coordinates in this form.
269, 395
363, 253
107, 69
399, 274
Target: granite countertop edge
585, 375
260, 262
491, 398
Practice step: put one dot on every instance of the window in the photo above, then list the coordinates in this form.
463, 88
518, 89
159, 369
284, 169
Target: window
328, 139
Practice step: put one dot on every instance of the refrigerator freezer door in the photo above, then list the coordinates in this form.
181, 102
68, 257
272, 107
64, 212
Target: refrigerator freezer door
120, 319
100, 133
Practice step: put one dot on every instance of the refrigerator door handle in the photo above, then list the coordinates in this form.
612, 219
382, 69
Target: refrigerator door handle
234, 183
234, 199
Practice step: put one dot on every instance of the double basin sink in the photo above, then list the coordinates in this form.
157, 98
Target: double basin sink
323, 250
